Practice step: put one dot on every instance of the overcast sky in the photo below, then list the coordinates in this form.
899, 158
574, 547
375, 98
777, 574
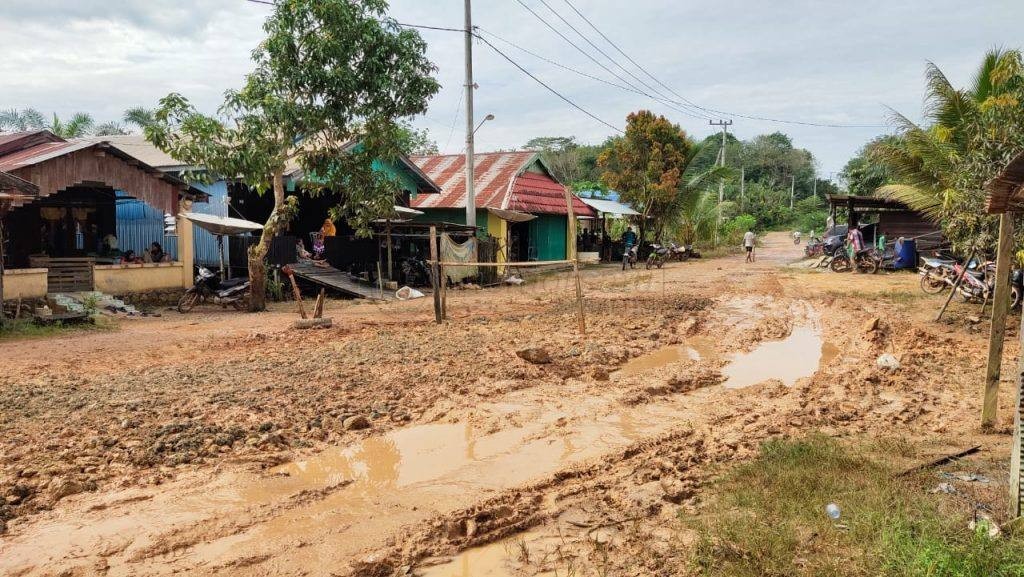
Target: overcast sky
821, 61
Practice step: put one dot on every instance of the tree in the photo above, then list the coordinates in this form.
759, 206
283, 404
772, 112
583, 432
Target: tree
415, 141
138, 116
863, 175
650, 166
328, 72
559, 153
941, 168
80, 124
15, 120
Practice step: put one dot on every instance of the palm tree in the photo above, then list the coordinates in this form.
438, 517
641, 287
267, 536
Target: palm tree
80, 124
138, 116
15, 120
688, 211
940, 169
111, 128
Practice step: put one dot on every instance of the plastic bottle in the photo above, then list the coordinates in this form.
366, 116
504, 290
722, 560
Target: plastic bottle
832, 510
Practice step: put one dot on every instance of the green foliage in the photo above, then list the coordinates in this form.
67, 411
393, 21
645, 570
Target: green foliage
863, 174
734, 228
327, 73
941, 167
770, 520
413, 141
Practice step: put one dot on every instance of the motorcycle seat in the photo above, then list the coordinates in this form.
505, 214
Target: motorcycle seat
232, 282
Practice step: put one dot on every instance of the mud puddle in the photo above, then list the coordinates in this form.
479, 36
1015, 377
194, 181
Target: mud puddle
799, 355
693, 350
317, 515
509, 557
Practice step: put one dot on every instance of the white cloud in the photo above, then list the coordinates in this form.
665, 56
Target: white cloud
823, 61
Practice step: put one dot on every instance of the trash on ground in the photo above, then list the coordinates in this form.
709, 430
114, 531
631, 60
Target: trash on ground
984, 524
408, 293
966, 477
832, 510
888, 361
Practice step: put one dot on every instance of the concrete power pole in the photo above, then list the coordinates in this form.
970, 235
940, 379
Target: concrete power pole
743, 187
470, 192
815, 186
721, 182
792, 191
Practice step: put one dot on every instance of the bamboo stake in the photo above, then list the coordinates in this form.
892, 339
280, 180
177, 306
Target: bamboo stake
287, 270
318, 308
435, 277
956, 285
571, 215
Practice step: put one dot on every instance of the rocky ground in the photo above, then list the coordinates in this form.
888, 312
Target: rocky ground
230, 444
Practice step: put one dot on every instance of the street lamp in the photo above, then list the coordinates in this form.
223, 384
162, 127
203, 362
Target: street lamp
486, 118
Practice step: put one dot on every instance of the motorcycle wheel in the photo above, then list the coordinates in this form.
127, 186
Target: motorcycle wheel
241, 304
932, 284
840, 264
188, 301
648, 264
660, 263
867, 265
1014, 297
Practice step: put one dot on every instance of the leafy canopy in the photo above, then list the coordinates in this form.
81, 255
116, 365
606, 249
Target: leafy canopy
329, 72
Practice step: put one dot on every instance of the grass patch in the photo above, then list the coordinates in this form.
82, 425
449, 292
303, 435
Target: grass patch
26, 329
769, 520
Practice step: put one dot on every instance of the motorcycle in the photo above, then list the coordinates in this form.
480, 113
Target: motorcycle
936, 274
864, 261
977, 284
629, 257
680, 253
659, 254
209, 287
415, 272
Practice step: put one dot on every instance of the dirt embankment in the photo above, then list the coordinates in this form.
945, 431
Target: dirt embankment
384, 446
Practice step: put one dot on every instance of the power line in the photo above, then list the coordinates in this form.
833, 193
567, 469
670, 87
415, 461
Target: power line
707, 109
690, 106
545, 85
451, 130
602, 65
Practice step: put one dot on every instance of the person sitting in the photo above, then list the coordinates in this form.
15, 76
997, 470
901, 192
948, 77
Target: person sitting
129, 257
157, 254
328, 229
301, 252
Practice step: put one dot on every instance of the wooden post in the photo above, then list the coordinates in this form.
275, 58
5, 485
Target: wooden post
1000, 304
390, 263
571, 216
318, 308
3, 319
956, 285
380, 281
1015, 450
444, 291
287, 270
435, 269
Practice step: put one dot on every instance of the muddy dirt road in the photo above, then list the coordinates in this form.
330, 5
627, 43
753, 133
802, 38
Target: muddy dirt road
227, 444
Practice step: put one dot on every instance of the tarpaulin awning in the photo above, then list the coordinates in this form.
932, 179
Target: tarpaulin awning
407, 210
222, 225
610, 207
511, 215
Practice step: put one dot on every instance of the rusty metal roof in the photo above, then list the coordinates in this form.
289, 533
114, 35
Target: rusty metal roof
503, 180
1006, 190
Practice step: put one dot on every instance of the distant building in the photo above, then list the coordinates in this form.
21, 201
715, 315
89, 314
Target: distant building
518, 201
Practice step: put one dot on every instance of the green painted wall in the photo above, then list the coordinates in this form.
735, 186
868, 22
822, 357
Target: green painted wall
397, 171
548, 233
453, 215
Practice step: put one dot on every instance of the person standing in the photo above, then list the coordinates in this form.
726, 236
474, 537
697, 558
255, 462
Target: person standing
748, 243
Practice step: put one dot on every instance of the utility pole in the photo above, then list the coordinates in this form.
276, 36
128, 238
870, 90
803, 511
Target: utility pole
470, 192
721, 182
815, 186
743, 186
792, 191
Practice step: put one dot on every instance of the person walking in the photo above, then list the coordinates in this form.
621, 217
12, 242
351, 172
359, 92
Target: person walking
748, 243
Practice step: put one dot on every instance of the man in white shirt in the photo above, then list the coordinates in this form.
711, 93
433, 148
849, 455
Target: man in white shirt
748, 243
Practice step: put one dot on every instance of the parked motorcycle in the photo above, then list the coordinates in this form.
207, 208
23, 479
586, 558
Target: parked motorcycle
209, 287
415, 272
864, 261
659, 254
936, 274
680, 253
629, 257
977, 284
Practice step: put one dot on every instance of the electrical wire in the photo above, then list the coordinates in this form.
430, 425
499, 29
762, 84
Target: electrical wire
602, 65
545, 85
722, 112
451, 131
694, 109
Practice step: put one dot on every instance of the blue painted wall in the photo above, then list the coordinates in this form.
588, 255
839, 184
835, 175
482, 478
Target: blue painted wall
139, 224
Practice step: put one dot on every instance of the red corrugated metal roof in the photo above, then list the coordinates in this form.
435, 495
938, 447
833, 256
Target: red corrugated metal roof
539, 193
501, 181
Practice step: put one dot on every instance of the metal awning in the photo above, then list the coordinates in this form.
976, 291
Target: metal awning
407, 210
611, 207
222, 225
1006, 190
511, 215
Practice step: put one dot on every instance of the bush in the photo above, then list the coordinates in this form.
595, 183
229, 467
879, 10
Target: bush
734, 228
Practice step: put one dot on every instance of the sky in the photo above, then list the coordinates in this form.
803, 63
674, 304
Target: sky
817, 61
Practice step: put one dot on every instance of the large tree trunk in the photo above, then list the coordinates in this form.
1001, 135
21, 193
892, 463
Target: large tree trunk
258, 252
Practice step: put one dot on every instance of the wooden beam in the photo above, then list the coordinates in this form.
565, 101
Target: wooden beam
1015, 450
997, 333
436, 274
